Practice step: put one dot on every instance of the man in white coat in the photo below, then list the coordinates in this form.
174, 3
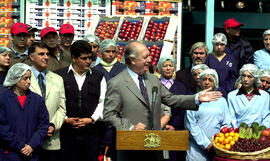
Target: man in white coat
51, 87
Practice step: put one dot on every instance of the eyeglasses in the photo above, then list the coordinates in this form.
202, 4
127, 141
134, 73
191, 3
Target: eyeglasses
196, 53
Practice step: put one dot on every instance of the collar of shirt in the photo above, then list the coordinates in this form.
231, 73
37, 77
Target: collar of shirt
134, 76
36, 73
242, 91
70, 68
166, 82
19, 54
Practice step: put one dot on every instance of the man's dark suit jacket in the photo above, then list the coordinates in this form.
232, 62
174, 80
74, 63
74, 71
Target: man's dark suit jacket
185, 76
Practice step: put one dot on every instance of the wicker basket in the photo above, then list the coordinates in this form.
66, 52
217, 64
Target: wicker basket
262, 154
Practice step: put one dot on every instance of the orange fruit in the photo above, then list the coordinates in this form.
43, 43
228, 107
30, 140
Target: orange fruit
221, 146
220, 134
221, 139
216, 140
230, 138
227, 134
235, 138
236, 134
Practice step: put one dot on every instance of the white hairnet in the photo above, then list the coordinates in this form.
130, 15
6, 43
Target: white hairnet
105, 44
213, 74
15, 73
265, 73
266, 32
253, 70
219, 38
4, 49
237, 82
92, 39
202, 67
163, 59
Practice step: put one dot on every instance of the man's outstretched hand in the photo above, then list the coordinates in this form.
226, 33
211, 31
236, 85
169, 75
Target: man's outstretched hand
208, 95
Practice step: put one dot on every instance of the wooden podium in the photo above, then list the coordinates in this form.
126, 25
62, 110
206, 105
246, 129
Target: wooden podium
152, 140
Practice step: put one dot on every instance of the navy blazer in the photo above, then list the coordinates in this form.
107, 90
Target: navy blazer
185, 76
21, 125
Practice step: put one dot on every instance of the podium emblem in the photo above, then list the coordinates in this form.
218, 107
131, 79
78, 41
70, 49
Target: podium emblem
152, 141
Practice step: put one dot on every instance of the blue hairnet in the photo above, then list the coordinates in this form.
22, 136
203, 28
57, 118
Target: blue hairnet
105, 44
202, 67
253, 70
213, 74
92, 39
163, 59
4, 49
15, 73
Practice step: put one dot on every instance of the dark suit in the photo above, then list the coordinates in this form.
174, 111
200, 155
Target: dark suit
116, 69
125, 106
185, 76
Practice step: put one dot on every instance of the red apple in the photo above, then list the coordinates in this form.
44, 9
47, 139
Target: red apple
265, 132
224, 130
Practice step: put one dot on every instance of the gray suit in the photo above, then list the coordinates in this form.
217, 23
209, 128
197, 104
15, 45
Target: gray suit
125, 106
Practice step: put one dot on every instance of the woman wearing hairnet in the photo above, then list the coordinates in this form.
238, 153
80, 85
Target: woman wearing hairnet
94, 43
207, 121
265, 80
261, 57
5, 61
223, 63
24, 119
195, 71
249, 104
108, 64
166, 67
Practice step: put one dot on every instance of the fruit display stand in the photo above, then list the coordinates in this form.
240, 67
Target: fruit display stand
8, 15
169, 11
79, 13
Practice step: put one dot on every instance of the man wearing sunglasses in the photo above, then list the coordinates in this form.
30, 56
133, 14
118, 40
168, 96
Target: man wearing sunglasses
198, 54
237, 45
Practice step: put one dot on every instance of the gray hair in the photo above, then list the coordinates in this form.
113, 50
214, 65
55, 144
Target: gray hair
131, 52
199, 45
105, 44
213, 74
219, 38
163, 59
253, 70
15, 73
266, 32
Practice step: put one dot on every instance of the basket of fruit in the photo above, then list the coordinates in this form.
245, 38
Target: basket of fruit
243, 143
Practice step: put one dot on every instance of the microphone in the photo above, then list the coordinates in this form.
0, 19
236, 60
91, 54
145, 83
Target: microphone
154, 94
152, 112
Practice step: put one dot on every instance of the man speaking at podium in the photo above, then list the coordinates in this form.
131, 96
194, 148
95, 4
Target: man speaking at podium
133, 99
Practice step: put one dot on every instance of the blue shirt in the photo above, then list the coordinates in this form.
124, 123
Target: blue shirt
36, 73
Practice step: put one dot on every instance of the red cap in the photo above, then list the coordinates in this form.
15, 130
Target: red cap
231, 23
66, 29
46, 30
19, 27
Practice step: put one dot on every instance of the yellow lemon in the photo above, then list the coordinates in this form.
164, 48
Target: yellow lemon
221, 146
220, 134
216, 139
221, 139
230, 138
235, 138
232, 142
232, 134
227, 146
226, 141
